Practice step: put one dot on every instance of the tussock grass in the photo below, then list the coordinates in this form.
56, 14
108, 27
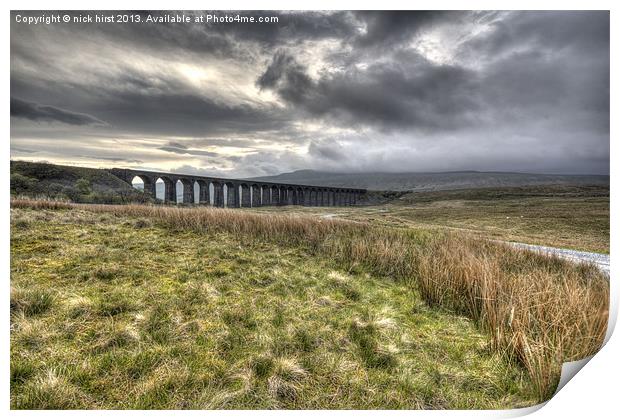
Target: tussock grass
283, 384
539, 311
30, 302
365, 335
52, 391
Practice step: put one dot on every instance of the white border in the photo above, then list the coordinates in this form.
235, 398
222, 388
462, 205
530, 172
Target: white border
591, 394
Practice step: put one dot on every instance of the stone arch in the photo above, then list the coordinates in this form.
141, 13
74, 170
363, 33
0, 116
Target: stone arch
169, 189
185, 191
160, 189
138, 182
201, 192
145, 184
178, 188
196, 191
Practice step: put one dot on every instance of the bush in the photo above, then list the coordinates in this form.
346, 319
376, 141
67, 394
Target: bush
21, 184
71, 193
83, 186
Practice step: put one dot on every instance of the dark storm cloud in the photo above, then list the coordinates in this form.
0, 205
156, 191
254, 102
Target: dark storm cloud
291, 27
47, 113
179, 113
288, 77
331, 151
159, 108
392, 28
324, 90
412, 92
584, 31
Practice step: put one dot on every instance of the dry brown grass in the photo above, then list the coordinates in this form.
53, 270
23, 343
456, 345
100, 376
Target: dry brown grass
539, 311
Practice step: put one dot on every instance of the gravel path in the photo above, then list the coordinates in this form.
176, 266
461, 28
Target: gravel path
601, 260
329, 216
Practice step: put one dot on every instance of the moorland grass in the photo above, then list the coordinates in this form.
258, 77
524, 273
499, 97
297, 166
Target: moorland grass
537, 311
565, 216
153, 317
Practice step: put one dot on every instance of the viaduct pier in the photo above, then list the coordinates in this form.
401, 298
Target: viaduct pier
222, 192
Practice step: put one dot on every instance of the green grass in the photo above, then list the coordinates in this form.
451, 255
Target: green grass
575, 217
118, 312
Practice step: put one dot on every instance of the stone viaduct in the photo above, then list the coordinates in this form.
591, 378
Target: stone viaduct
222, 192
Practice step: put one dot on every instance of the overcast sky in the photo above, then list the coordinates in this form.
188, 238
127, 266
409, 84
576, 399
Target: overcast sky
343, 91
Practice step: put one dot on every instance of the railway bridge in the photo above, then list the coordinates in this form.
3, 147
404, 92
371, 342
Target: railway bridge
223, 192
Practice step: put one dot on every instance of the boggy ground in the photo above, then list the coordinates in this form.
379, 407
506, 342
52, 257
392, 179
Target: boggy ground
111, 311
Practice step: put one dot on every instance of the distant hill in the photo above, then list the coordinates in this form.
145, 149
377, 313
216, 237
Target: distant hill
431, 181
98, 185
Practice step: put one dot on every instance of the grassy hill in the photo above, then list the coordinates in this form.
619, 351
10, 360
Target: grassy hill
74, 183
432, 181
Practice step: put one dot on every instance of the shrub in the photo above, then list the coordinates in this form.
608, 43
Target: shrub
21, 184
83, 186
